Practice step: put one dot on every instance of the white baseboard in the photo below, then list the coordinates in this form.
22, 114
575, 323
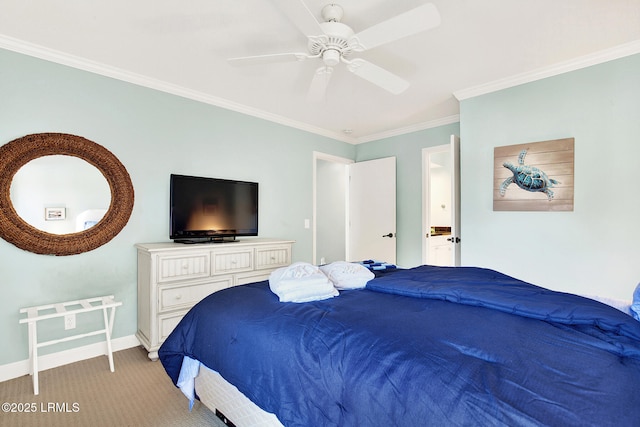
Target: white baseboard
52, 360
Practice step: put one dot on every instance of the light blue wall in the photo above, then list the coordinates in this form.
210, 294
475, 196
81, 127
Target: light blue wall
591, 250
153, 134
594, 249
408, 152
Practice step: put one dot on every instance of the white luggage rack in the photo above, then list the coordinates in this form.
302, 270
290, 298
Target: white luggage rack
68, 310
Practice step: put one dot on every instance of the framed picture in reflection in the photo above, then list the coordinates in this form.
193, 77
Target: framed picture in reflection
55, 214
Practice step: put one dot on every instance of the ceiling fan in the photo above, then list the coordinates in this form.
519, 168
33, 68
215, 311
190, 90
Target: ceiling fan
334, 42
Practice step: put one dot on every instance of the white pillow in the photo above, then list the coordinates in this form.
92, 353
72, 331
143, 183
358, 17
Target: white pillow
347, 275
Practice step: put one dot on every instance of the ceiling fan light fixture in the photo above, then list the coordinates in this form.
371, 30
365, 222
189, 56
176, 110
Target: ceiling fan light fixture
331, 57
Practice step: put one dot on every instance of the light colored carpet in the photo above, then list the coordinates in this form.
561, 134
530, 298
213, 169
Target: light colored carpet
86, 393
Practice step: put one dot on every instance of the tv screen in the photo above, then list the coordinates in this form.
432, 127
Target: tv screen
212, 209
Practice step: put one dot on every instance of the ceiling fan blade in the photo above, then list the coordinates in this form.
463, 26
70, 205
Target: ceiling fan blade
301, 16
414, 21
268, 59
319, 84
378, 76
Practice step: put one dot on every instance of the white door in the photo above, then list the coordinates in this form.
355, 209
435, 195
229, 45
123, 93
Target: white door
372, 210
441, 207
455, 200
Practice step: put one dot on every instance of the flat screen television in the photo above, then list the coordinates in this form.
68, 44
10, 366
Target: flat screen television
212, 209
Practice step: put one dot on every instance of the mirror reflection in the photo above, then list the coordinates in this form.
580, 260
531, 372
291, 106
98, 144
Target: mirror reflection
60, 194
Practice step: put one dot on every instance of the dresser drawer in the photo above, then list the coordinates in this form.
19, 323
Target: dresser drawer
185, 296
232, 262
273, 257
167, 323
194, 266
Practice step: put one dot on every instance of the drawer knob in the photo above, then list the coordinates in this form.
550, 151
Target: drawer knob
179, 297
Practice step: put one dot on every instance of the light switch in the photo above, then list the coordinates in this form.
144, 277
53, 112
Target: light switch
307, 223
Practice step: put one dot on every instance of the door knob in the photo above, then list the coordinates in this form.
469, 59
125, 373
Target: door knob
388, 235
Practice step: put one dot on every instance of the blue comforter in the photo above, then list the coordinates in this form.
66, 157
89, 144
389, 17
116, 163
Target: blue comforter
424, 346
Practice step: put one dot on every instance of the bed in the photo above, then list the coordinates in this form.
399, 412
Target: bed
422, 346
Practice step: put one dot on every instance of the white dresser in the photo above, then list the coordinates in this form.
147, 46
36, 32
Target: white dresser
173, 277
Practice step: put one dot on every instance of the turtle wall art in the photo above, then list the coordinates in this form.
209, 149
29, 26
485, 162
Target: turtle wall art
536, 176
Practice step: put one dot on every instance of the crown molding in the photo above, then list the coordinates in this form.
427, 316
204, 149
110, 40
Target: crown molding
599, 57
409, 129
58, 57
41, 52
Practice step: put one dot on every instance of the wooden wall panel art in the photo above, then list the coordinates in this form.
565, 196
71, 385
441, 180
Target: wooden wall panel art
537, 176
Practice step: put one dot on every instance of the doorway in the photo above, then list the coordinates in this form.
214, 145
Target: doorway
330, 208
441, 204
346, 225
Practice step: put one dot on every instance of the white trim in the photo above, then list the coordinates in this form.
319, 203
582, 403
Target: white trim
53, 360
77, 62
332, 158
38, 51
602, 56
409, 129
59, 57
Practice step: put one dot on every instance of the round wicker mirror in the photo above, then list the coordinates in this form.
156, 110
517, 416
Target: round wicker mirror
18, 232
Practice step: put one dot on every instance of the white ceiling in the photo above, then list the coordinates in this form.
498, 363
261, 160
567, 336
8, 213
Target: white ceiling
183, 47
